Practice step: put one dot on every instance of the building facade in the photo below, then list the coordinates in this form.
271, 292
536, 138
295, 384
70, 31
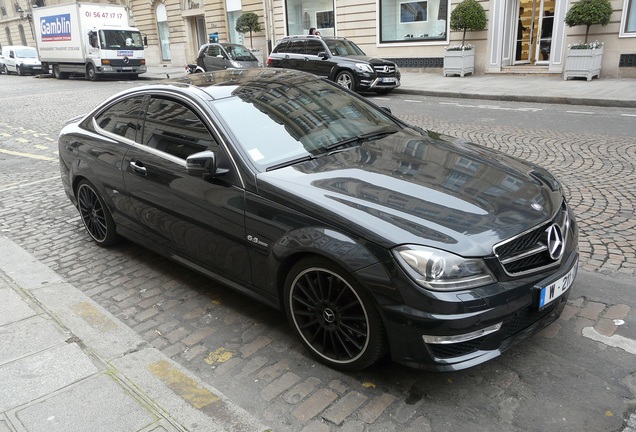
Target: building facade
522, 36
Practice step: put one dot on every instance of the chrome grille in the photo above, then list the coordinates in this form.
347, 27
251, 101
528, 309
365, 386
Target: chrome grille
384, 70
528, 252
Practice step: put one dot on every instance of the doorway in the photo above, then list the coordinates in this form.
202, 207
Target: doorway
533, 32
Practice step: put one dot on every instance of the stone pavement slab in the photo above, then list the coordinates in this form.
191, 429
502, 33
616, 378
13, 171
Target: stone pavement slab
67, 364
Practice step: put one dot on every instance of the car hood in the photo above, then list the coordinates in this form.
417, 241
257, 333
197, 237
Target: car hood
413, 189
27, 60
373, 60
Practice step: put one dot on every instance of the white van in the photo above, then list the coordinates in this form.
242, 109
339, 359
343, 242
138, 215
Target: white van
21, 60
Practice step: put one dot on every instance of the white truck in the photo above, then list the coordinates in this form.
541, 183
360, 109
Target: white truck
88, 39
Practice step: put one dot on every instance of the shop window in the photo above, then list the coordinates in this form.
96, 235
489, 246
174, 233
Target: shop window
413, 21
164, 35
303, 15
628, 20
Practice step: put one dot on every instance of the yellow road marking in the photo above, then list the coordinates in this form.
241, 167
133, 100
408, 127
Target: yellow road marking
191, 391
27, 155
94, 317
220, 355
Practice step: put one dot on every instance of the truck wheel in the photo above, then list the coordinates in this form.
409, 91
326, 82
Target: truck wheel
91, 73
58, 74
3, 70
19, 70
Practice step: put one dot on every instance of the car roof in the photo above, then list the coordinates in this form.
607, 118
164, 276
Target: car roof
232, 82
291, 37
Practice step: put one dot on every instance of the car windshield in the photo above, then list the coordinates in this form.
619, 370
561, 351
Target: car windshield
343, 48
121, 40
278, 125
239, 53
26, 53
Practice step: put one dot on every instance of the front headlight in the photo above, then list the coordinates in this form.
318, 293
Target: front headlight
235, 64
364, 67
442, 271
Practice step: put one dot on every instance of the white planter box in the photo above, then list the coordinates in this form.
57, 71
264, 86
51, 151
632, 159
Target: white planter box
459, 62
583, 63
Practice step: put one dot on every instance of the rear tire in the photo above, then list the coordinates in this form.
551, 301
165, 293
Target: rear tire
95, 215
59, 74
335, 319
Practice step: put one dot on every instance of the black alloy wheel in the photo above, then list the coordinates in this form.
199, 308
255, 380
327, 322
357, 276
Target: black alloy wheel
334, 318
95, 215
346, 80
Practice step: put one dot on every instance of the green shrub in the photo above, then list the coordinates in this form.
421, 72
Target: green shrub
588, 13
468, 15
248, 22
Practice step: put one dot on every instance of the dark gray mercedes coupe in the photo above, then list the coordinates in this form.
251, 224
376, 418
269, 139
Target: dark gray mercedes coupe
375, 237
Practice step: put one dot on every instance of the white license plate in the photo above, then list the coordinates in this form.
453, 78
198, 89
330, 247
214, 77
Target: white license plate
551, 292
126, 68
388, 80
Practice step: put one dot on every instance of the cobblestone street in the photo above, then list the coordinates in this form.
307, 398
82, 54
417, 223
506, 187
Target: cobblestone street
248, 350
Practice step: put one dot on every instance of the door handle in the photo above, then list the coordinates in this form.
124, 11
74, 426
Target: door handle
138, 167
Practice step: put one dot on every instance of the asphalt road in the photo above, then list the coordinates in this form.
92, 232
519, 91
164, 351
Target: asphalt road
577, 375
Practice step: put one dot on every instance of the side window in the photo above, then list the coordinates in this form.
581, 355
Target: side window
281, 47
213, 51
123, 118
296, 47
314, 47
175, 129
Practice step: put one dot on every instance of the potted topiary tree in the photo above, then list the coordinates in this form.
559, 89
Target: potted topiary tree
248, 22
460, 59
583, 60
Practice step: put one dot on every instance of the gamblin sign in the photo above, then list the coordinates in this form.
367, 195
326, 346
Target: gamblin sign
56, 28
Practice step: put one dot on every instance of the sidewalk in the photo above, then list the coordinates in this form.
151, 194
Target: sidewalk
607, 92
67, 364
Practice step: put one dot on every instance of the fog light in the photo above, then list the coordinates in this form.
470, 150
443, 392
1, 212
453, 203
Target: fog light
463, 337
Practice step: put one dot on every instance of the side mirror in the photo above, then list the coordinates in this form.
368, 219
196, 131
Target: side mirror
145, 40
323, 55
386, 108
203, 164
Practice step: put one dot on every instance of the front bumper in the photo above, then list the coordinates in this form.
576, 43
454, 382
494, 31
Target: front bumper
472, 327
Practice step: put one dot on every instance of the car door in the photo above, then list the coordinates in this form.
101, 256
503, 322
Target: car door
201, 221
294, 55
315, 64
214, 58
110, 135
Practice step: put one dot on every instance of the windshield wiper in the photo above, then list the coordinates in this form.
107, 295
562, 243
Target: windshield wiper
290, 162
362, 138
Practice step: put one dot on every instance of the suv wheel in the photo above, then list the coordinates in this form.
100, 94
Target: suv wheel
346, 80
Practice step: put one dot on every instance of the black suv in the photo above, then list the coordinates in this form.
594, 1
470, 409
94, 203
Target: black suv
338, 59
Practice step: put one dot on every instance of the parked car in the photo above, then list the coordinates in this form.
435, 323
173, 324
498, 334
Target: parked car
338, 59
21, 60
219, 56
374, 236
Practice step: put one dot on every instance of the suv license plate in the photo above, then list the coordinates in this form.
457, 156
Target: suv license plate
388, 80
551, 292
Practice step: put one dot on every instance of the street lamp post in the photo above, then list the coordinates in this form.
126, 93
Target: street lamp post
28, 16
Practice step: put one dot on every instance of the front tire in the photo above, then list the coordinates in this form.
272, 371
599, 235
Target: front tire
345, 79
95, 215
91, 73
334, 317
19, 71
